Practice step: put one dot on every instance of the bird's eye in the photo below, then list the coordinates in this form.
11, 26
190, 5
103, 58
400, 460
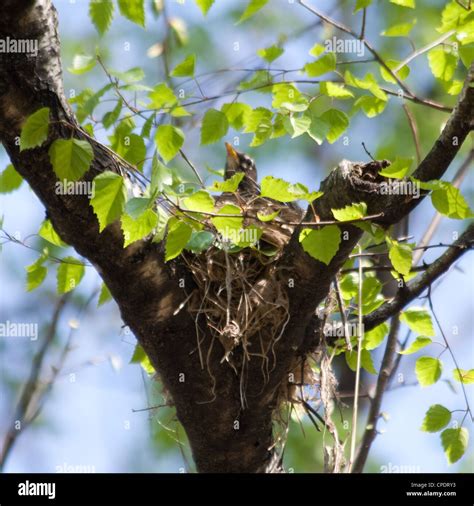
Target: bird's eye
244, 165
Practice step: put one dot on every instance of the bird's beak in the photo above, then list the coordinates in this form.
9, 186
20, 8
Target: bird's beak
231, 152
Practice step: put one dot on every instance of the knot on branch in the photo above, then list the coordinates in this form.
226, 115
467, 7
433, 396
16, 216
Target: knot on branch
352, 182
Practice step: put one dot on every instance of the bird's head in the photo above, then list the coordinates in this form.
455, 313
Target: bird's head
240, 162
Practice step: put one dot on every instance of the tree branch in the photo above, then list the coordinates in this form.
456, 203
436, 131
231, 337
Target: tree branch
414, 289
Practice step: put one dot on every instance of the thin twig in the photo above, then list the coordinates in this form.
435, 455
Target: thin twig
374, 412
360, 335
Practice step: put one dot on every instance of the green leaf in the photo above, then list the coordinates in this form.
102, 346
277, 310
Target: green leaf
372, 106
442, 63
419, 320
270, 53
214, 126
349, 285
351, 212
160, 176
235, 112
448, 200
318, 129
147, 126
35, 129
134, 10
464, 376
403, 73
287, 96
453, 87
268, 217
200, 202
104, 295
101, 13
82, 63
48, 233
428, 370
321, 244
456, 17
205, 5
177, 237
325, 64
399, 30
69, 274
296, 125
374, 338
186, 67
136, 206
132, 75
401, 256
112, 116
366, 361
317, 50
335, 90
367, 83
200, 241
338, 123
135, 229
229, 185
257, 119
454, 443
398, 169
261, 82
361, 4
436, 418
283, 191
70, 158
169, 140
161, 97
229, 227
417, 344
140, 357
109, 198
466, 54
404, 3
10, 180
252, 8
35, 274
135, 150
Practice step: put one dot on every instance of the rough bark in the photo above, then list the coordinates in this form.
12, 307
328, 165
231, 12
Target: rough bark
147, 290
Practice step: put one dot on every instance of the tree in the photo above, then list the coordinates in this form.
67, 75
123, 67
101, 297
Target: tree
234, 329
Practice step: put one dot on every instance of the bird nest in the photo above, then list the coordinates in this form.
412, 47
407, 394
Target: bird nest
242, 298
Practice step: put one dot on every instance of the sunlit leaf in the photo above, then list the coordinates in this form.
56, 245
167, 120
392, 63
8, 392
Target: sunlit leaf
428, 370
436, 418
69, 274
109, 198
321, 244
454, 443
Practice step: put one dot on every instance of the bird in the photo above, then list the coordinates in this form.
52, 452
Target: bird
275, 233
240, 162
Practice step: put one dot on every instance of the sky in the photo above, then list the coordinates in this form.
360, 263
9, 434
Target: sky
89, 420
